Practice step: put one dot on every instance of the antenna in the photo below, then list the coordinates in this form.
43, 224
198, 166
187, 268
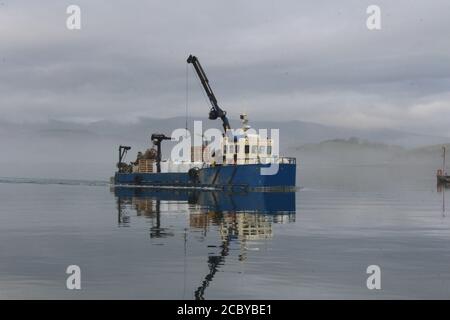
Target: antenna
187, 97
443, 160
184, 263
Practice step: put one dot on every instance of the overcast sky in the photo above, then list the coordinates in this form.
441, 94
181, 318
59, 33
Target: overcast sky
305, 60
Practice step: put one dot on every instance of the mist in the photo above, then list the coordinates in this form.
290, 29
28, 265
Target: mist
61, 149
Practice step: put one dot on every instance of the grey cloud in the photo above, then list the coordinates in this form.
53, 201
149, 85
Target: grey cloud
303, 60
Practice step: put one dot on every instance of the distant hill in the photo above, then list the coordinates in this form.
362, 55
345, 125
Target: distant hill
432, 153
431, 150
85, 146
355, 151
350, 144
349, 151
293, 133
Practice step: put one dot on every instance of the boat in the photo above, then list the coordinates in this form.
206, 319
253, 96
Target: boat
243, 159
441, 174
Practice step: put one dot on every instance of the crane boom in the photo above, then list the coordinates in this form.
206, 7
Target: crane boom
215, 111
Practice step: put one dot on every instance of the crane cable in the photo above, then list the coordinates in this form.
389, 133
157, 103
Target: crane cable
187, 97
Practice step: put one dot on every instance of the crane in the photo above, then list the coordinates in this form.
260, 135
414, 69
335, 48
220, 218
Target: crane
215, 111
156, 139
123, 167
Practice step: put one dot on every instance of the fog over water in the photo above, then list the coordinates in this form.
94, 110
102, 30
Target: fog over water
58, 149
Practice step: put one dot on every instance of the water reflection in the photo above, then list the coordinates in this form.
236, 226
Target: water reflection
240, 218
441, 187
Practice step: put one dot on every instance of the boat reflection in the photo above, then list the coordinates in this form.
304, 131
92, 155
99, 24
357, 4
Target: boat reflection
441, 187
240, 217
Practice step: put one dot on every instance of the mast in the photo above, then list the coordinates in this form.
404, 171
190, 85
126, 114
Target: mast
443, 160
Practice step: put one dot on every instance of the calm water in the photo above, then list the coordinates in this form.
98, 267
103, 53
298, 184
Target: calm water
315, 243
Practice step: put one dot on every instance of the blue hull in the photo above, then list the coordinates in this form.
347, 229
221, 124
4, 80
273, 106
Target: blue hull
246, 176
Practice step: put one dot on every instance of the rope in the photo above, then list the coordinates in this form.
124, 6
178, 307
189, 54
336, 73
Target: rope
187, 96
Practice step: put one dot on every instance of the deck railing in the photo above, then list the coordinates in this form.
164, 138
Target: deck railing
290, 160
